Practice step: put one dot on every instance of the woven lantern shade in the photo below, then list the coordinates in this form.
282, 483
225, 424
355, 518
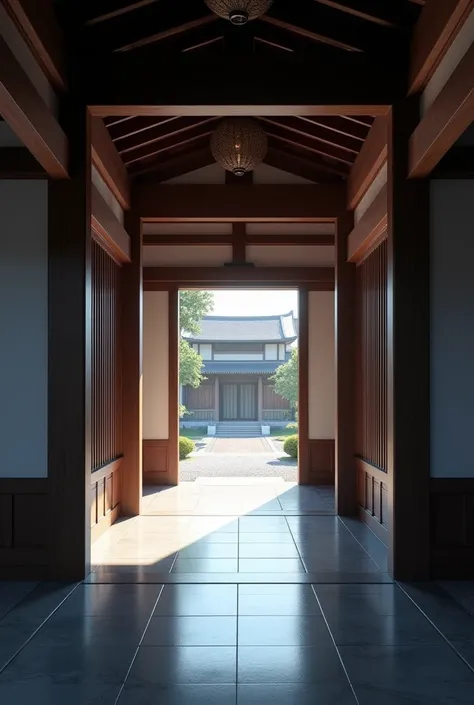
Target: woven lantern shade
239, 145
239, 11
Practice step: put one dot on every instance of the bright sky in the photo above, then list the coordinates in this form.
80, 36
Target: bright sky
254, 303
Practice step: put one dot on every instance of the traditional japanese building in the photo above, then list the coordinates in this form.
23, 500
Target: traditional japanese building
240, 356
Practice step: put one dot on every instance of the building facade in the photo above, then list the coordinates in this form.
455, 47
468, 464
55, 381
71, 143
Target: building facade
240, 355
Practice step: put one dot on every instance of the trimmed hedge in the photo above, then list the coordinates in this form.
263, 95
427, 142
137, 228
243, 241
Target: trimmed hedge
186, 446
291, 446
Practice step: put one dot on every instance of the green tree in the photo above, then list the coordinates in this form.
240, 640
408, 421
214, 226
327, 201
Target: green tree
286, 379
193, 306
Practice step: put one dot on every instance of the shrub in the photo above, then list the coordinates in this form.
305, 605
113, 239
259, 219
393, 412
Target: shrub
291, 446
293, 426
186, 446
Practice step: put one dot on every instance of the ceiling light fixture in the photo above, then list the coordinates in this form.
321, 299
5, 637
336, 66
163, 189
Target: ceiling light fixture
239, 145
239, 12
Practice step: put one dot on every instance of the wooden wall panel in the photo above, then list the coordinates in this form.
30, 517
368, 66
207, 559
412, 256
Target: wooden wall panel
106, 359
371, 359
452, 528
272, 400
200, 398
105, 497
156, 462
372, 492
321, 461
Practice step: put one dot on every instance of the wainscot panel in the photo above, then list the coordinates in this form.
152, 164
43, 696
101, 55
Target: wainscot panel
452, 527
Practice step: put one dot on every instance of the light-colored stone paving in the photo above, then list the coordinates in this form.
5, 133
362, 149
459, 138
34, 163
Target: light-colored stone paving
242, 446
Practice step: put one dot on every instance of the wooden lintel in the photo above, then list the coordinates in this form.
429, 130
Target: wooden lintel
29, 116
35, 20
18, 163
369, 230
107, 229
108, 163
239, 275
278, 240
368, 163
120, 86
445, 121
248, 203
239, 243
436, 29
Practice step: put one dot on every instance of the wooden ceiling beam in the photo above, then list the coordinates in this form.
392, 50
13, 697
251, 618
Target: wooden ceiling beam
162, 131
370, 228
309, 34
108, 163
239, 275
283, 160
30, 118
368, 163
340, 126
108, 229
101, 12
168, 33
387, 14
171, 168
133, 126
178, 240
445, 121
191, 136
249, 203
435, 31
310, 130
120, 85
331, 164
36, 22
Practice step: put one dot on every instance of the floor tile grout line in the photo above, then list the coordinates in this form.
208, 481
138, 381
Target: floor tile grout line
335, 646
17, 604
434, 625
45, 620
363, 547
296, 546
119, 695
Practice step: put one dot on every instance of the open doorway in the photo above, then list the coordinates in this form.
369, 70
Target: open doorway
238, 384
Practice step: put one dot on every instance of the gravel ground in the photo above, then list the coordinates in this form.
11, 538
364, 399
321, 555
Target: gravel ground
256, 465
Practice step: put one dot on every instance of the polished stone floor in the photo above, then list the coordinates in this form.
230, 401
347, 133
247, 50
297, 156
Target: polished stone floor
271, 601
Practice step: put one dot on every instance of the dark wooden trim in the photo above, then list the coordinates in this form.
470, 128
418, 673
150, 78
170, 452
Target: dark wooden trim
345, 476
29, 117
278, 240
322, 461
173, 385
446, 119
368, 231
452, 528
132, 370
108, 469
435, 31
239, 275
408, 317
368, 163
196, 283
24, 485
157, 202
108, 230
303, 389
18, 163
69, 346
36, 21
108, 163
371, 470
239, 243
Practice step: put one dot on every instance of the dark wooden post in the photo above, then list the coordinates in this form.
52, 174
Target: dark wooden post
346, 478
69, 374
303, 391
408, 313
132, 370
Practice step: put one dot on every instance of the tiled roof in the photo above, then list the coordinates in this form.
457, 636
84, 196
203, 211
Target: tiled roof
240, 368
241, 329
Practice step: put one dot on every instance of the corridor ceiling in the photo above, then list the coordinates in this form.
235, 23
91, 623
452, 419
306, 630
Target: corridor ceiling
321, 149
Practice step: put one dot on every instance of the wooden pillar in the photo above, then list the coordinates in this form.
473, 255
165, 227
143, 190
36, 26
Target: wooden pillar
216, 400
408, 316
345, 477
69, 383
173, 380
260, 399
132, 370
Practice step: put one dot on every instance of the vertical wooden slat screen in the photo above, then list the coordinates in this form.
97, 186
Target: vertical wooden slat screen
106, 364
371, 392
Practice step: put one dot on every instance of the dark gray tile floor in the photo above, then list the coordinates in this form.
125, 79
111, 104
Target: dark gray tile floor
324, 626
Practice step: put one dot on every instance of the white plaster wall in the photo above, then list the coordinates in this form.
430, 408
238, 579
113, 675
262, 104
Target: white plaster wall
295, 256
24, 328
447, 66
155, 365
322, 366
192, 256
452, 329
27, 61
271, 351
107, 194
